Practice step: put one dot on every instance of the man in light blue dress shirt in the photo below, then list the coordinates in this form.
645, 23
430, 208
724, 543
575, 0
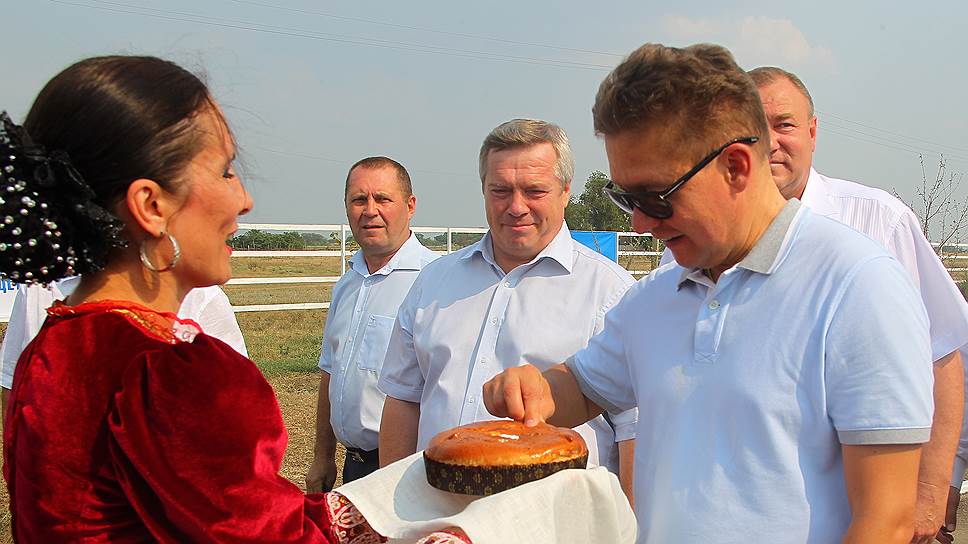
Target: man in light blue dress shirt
379, 204
782, 367
526, 292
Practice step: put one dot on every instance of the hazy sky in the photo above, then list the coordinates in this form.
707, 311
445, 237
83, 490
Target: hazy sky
310, 87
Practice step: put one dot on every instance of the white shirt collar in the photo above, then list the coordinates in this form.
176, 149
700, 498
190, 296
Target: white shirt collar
816, 197
560, 250
408, 257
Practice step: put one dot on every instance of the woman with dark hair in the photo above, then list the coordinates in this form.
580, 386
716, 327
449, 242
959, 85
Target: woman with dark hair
126, 423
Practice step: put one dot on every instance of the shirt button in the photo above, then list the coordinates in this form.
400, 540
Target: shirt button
483, 361
470, 400
507, 284
714, 305
493, 321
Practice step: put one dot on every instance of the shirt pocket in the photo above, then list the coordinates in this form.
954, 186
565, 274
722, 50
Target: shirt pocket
376, 338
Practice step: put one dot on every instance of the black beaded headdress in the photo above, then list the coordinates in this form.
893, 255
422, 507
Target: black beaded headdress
50, 226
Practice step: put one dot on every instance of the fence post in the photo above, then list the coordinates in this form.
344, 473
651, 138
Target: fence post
342, 249
450, 246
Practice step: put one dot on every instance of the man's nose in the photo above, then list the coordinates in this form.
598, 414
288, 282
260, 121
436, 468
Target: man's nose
642, 223
518, 205
774, 142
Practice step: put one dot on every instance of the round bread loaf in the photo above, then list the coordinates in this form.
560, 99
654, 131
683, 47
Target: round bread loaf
490, 456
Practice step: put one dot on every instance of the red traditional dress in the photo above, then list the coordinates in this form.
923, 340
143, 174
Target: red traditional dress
129, 425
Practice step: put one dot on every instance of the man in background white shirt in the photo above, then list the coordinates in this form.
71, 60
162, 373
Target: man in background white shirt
379, 205
207, 306
793, 133
525, 293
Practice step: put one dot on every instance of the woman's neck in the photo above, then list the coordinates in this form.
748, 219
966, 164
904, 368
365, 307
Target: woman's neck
131, 283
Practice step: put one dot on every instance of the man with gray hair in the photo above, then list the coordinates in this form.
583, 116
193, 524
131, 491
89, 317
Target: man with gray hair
525, 293
793, 134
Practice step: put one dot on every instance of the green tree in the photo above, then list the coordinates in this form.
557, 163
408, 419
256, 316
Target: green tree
290, 240
314, 239
253, 239
592, 209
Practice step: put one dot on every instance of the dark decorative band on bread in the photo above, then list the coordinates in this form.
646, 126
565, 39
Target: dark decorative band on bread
477, 480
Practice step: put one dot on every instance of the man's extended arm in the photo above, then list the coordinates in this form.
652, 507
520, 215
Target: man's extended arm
322, 473
881, 482
525, 394
626, 463
398, 430
937, 456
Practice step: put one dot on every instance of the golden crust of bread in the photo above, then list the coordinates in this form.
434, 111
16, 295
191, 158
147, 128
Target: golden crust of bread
505, 443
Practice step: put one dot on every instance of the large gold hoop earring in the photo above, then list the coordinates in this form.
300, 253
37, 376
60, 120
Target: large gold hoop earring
176, 250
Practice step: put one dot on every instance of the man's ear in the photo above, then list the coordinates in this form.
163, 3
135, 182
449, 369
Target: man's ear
149, 206
411, 206
739, 165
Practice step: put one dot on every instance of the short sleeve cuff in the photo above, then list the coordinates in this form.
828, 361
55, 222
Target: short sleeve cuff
587, 389
910, 435
625, 431
944, 345
624, 424
958, 472
398, 391
325, 366
6, 380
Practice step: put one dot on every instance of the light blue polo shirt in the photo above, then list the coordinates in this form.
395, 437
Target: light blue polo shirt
748, 387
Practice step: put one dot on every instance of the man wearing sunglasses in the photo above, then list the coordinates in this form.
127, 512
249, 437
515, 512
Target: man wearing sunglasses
793, 132
781, 370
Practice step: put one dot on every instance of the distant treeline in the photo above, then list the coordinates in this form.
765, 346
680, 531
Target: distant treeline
291, 240
262, 240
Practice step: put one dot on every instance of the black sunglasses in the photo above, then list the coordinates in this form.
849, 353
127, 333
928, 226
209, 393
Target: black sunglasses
656, 204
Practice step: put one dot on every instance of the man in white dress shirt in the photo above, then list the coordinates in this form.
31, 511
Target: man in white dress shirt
524, 293
881, 216
379, 204
207, 306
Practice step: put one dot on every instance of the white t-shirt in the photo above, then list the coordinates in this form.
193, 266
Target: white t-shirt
207, 306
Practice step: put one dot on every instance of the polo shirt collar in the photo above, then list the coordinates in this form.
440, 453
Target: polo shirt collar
766, 253
816, 197
406, 258
560, 250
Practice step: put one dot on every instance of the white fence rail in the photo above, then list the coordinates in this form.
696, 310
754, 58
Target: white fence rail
343, 254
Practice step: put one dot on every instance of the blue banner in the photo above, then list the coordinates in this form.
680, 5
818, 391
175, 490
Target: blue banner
605, 243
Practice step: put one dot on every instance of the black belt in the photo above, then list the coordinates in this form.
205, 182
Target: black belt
363, 456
